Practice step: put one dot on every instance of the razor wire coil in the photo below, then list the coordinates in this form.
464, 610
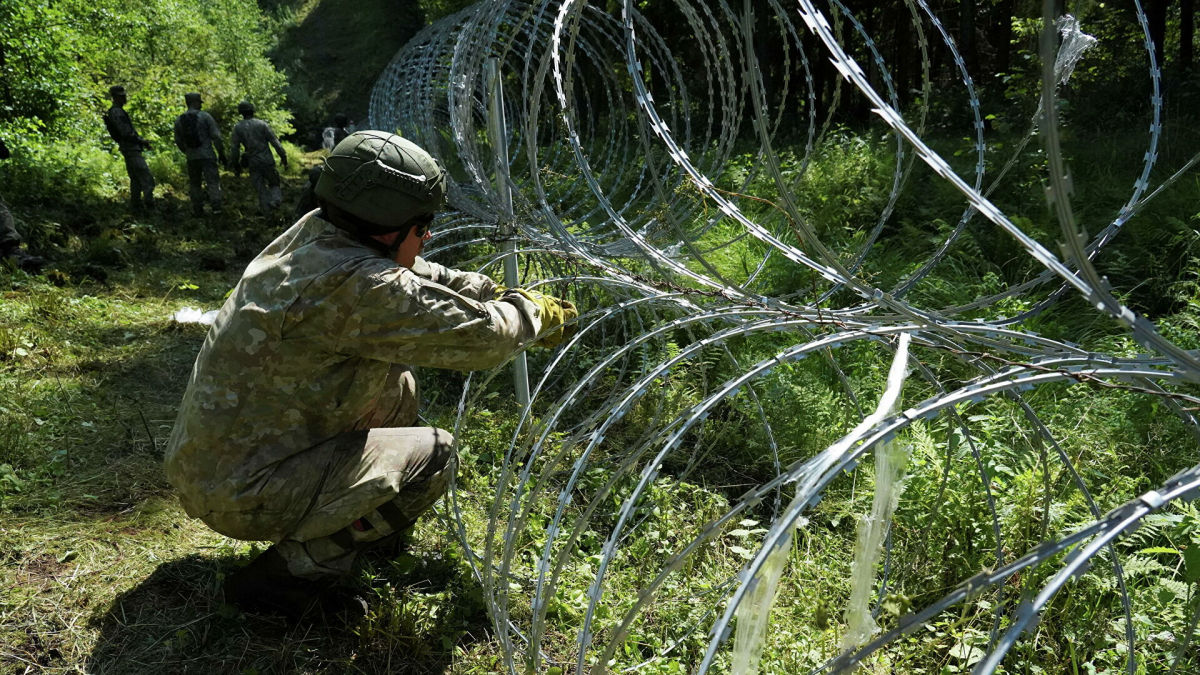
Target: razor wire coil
623, 197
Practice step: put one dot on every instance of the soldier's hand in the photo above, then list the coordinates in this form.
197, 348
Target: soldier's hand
554, 313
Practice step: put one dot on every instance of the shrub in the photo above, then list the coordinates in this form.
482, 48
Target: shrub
61, 57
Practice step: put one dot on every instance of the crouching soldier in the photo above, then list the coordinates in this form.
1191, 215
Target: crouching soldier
10, 240
258, 139
297, 423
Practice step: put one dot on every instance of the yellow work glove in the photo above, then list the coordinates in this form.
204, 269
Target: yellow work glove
554, 312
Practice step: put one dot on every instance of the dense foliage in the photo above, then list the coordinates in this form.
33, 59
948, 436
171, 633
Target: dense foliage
102, 570
59, 57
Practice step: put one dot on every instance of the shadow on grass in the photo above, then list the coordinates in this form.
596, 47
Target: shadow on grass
106, 420
175, 622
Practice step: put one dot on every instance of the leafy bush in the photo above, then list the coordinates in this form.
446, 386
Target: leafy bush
61, 57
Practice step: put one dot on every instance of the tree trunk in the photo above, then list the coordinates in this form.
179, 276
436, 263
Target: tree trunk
1187, 34
1156, 16
966, 35
1001, 36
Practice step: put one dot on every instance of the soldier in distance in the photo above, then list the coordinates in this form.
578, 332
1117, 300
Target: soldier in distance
131, 145
258, 138
335, 134
297, 426
199, 138
308, 197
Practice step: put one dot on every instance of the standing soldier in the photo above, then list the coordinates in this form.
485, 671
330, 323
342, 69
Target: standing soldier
341, 128
141, 182
258, 138
336, 133
196, 136
308, 198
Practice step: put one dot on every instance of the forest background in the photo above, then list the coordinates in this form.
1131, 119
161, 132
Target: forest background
103, 572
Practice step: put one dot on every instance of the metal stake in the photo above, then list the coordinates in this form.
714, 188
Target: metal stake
496, 129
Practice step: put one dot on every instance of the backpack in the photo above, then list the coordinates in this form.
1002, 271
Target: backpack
189, 128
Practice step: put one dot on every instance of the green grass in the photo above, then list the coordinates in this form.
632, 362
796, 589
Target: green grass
103, 572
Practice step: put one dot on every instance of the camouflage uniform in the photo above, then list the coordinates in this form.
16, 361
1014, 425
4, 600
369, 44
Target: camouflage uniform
258, 138
141, 181
308, 197
295, 424
335, 134
9, 239
202, 160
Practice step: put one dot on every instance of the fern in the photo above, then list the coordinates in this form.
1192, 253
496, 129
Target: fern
1135, 566
1151, 530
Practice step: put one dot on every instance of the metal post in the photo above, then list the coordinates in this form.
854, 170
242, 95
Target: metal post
496, 129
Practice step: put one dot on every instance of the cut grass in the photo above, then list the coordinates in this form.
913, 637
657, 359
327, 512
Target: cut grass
103, 572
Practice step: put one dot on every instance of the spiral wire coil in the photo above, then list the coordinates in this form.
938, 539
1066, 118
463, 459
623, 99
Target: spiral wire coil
627, 197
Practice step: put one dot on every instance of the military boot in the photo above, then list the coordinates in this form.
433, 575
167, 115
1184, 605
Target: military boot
266, 586
22, 260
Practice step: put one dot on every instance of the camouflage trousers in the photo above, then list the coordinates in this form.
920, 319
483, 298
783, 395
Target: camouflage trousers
204, 170
371, 484
9, 239
266, 183
141, 181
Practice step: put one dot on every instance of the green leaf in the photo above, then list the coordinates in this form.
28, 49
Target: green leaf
1160, 549
1191, 564
1165, 596
967, 653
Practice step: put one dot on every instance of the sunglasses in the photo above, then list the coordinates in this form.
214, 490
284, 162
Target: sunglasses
422, 224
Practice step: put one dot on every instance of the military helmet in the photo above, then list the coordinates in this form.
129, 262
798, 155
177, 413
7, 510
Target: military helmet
245, 108
383, 179
116, 90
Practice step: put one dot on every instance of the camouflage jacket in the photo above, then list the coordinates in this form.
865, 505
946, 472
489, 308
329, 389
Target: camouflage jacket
120, 127
258, 139
302, 349
208, 132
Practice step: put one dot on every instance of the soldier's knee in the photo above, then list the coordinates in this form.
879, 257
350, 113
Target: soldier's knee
443, 455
